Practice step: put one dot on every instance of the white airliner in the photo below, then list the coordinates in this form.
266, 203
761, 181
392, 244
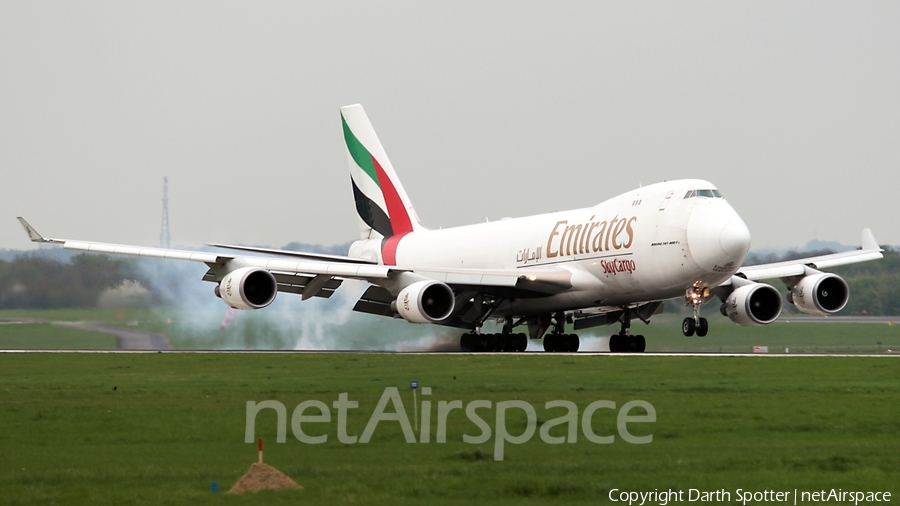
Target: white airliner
600, 265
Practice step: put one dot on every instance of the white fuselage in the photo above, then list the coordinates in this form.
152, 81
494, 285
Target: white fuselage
649, 244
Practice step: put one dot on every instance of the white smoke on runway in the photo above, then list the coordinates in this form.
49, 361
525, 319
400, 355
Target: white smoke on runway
592, 342
291, 324
288, 324
439, 339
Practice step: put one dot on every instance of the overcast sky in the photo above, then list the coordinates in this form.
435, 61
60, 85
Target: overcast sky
486, 109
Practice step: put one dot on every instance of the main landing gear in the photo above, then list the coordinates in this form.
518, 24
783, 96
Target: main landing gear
624, 342
493, 342
506, 341
557, 341
694, 297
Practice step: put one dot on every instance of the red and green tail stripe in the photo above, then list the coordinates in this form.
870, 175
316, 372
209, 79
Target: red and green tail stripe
398, 221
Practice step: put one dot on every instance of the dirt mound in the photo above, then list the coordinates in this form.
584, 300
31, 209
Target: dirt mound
262, 477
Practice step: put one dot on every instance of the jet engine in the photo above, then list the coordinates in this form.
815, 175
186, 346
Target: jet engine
425, 302
820, 294
753, 304
248, 288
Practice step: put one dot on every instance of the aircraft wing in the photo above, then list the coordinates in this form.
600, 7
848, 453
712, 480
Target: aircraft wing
343, 269
294, 275
296, 254
869, 251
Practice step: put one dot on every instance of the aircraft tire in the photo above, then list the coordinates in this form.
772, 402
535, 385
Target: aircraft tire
550, 343
495, 343
466, 341
521, 341
630, 344
501, 343
573, 343
688, 326
614, 343
703, 328
626, 344
641, 344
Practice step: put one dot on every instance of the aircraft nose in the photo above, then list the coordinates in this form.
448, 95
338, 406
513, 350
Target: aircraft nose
735, 238
718, 238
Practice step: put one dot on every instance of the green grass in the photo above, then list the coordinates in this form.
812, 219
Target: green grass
46, 336
159, 428
664, 334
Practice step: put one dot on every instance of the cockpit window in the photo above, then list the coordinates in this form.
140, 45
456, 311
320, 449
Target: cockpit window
703, 193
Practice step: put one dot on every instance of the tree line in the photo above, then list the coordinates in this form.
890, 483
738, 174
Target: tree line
874, 286
35, 281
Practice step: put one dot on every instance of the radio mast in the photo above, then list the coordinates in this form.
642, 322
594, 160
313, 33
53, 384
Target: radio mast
165, 238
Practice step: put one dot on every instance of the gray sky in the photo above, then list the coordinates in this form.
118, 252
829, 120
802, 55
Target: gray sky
486, 109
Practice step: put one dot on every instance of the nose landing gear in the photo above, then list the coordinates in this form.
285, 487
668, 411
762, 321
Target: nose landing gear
694, 297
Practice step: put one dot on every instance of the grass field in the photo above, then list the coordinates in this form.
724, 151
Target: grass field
160, 428
38, 332
46, 336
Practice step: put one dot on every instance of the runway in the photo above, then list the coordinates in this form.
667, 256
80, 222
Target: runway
527, 353
137, 341
889, 320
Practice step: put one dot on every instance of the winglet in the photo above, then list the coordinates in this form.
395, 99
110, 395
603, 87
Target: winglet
868, 241
32, 233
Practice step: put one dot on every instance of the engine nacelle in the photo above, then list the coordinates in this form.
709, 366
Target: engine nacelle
248, 288
425, 302
820, 294
753, 304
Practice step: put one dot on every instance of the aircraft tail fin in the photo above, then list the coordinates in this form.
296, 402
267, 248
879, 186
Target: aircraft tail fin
383, 207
